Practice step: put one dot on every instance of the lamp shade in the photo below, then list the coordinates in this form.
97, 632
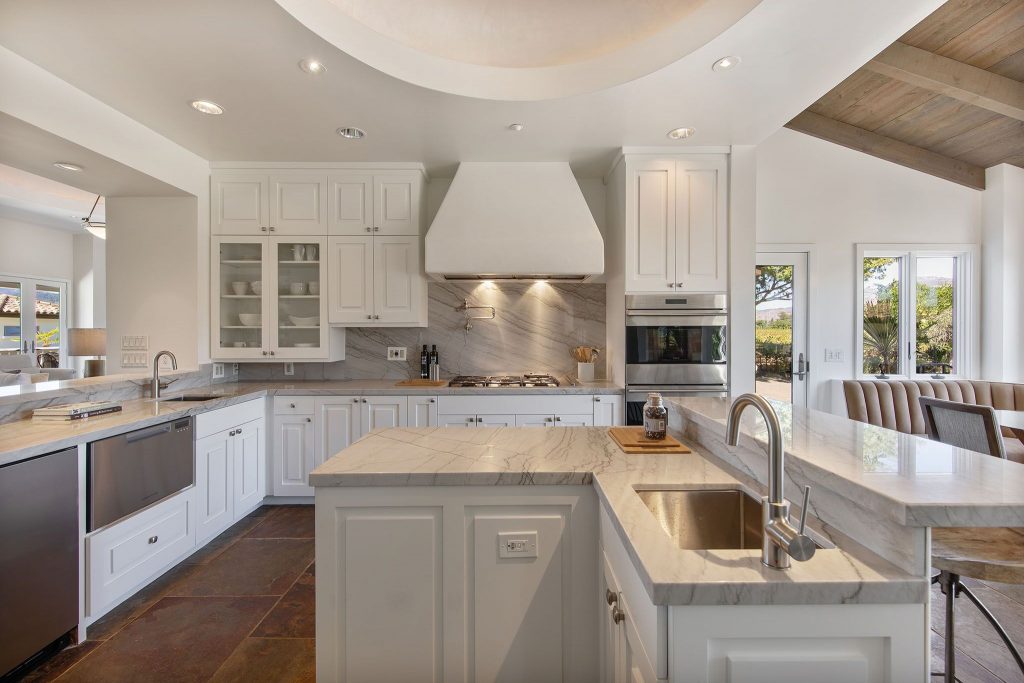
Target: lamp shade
87, 341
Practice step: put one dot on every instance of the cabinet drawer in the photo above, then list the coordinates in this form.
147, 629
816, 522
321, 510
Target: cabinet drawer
124, 557
517, 404
294, 405
219, 420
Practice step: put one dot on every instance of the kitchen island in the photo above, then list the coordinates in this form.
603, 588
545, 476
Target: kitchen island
438, 517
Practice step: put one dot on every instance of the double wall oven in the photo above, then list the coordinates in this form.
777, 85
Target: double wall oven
675, 345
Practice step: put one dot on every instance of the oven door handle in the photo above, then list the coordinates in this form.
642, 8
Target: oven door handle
665, 390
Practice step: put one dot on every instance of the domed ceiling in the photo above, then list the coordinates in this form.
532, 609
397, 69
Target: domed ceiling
518, 50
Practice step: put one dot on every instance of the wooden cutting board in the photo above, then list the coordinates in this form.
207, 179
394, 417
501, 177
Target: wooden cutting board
421, 383
631, 440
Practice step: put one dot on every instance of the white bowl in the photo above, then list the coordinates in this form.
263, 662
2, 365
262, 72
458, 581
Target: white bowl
304, 322
257, 286
239, 287
297, 288
250, 319
304, 345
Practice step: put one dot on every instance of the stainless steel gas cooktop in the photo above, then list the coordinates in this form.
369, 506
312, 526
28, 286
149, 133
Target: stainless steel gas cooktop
528, 380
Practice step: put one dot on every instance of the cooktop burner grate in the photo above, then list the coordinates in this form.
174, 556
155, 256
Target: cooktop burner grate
529, 380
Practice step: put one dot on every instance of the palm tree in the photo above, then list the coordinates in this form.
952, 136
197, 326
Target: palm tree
882, 335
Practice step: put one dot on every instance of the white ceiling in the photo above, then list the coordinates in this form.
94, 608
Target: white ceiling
31, 198
150, 58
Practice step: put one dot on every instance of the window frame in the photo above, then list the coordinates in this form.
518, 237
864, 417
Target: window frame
966, 300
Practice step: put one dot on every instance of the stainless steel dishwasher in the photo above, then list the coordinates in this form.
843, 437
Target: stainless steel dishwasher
38, 554
134, 470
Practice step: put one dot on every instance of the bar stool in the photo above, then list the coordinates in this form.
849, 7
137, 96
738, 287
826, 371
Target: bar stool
988, 554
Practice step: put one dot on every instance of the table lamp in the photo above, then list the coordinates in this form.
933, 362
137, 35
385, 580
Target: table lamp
89, 341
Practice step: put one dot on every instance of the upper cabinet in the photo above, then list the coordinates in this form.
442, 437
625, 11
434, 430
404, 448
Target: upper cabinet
376, 281
676, 224
335, 201
377, 203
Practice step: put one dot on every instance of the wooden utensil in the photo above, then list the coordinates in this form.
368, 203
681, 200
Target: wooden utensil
421, 383
631, 440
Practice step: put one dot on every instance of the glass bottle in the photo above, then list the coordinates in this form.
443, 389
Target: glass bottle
655, 418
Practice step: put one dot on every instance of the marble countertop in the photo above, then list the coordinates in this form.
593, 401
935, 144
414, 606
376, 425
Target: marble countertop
28, 438
587, 456
911, 480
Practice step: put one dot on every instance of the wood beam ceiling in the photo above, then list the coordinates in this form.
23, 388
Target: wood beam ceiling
889, 149
951, 78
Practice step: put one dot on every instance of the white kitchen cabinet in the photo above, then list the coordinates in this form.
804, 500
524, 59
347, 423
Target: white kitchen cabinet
566, 420
496, 421
378, 203
534, 420
577, 420
337, 424
419, 565
456, 420
382, 412
269, 300
282, 202
294, 449
676, 224
422, 411
608, 410
622, 656
250, 467
376, 281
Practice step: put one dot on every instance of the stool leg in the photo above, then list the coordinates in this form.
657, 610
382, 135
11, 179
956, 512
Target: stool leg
948, 583
996, 625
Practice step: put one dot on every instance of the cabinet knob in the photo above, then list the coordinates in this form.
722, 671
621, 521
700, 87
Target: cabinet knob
368, 228
597, 399
355, 400
376, 229
153, 539
679, 284
264, 353
671, 284
271, 353
610, 596
618, 616
263, 228
376, 317
558, 419
364, 400
309, 419
291, 405
547, 419
479, 419
369, 317
272, 228
431, 401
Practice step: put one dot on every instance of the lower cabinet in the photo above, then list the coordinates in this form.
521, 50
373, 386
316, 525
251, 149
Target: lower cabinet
422, 411
230, 477
466, 583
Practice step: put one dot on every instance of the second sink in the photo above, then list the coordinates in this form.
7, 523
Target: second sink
707, 519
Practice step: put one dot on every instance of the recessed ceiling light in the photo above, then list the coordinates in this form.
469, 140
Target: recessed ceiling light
312, 66
725, 63
67, 166
351, 133
516, 127
207, 107
680, 133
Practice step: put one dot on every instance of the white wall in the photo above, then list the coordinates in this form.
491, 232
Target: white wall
812, 191
35, 250
1002, 315
152, 288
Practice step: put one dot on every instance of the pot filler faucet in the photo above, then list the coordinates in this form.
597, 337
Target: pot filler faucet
781, 540
157, 384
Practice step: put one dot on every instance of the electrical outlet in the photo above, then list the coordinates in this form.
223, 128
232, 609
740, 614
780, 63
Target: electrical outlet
234, 368
517, 544
397, 353
218, 370
289, 369
833, 355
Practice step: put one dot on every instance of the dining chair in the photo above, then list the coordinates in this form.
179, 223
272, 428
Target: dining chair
986, 554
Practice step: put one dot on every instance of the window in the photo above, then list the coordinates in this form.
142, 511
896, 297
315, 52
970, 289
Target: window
33, 318
917, 311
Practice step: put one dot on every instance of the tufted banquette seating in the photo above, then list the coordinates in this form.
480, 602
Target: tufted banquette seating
894, 403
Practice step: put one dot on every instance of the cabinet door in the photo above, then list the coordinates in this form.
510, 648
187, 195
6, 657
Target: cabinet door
239, 205
397, 197
350, 204
298, 328
350, 280
534, 421
215, 488
398, 291
608, 411
337, 425
293, 455
496, 421
250, 467
650, 227
298, 204
456, 420
701, 223
381, 412
239, 288
569, 420
422, 411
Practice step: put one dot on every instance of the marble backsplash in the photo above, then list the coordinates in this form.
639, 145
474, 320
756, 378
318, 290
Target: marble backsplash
534, 326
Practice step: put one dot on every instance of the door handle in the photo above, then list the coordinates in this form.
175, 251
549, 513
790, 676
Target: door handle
802, 367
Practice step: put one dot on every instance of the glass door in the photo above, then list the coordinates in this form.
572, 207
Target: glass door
299, 330
34, 319
780, 326
239, 298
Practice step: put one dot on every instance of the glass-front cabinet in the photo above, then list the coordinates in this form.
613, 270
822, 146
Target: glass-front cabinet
268, 300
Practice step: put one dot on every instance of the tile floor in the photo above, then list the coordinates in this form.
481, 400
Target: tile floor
241, 609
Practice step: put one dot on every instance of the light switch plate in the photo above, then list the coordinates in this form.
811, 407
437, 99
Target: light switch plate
517, 544
833, 355
397, 352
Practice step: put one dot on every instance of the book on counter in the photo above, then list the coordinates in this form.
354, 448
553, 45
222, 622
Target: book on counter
75, 411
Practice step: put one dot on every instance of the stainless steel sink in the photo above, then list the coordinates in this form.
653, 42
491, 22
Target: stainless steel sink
707, 519
197, 398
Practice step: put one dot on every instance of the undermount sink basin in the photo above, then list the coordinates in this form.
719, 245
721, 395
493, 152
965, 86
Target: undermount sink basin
707, 519
197, 398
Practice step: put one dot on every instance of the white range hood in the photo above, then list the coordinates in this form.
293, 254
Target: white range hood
514, 221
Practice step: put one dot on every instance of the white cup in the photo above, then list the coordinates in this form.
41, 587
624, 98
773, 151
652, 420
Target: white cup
311, 252
298, 252
314, 287
297, 288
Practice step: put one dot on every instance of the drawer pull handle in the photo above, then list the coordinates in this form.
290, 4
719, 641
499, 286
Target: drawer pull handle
291, 405
309, 419
618, 616
153, 539
610, 596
